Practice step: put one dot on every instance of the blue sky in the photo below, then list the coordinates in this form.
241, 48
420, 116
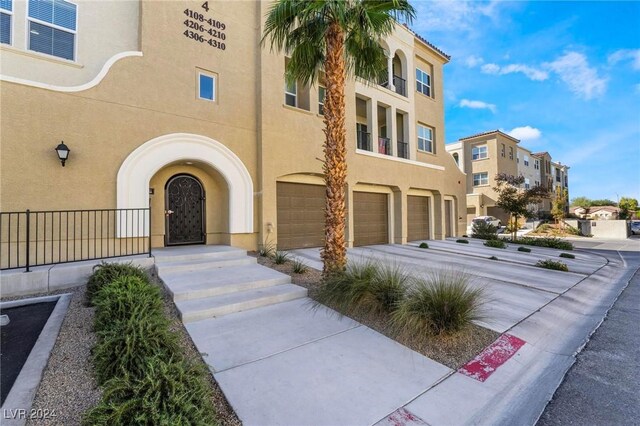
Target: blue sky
563, 77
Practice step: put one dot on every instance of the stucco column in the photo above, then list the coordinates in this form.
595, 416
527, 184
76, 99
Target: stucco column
400, 219
438, 217
372, 123
390, 72
392, 134
349, 223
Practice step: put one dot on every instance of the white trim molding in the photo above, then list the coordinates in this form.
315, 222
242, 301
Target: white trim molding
401, 160
94, 82
138, 168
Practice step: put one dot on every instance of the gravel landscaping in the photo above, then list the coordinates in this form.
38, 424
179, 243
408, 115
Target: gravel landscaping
68, 384
452, 351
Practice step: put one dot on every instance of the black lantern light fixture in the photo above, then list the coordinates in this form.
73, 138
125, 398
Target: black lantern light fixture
63, 152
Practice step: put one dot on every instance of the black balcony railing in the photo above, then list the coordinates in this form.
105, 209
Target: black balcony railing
400, 84
384, 146
363, 140
403, 149
35, 238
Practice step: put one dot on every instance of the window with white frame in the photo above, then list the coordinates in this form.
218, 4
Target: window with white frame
6, 19
322, 92
423, 82
526, 160
479, 152
536, 164
52, 27
425, 138
206, 86
527, 183
480, 179
290, 94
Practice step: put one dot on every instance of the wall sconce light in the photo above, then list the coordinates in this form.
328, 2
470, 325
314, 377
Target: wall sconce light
63, 152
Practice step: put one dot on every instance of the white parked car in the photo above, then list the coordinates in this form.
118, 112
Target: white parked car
487, 219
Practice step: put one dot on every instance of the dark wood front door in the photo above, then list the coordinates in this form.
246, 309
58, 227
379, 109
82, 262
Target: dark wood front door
184, 211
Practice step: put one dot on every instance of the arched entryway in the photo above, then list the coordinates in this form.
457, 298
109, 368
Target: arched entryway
185, 218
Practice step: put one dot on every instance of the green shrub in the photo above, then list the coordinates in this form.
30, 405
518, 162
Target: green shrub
268, 249
493, 258
567, 255
549, 242
524, 249
299, 267
280, 257
125, 297
461, 241
495, 244
571, 230
443, 302
124, 348
423, 245
169, 393
105, 273
553, 264
484, 231
544, 227
365, 287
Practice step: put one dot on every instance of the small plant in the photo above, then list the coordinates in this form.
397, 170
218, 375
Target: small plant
461, 241
170, 392
524, 249
442, 302
105, 273
280, 257
553, 264
567, 255
267, 249
423, 245
549, 242
493, 258
299, 267
484, 230
495, 244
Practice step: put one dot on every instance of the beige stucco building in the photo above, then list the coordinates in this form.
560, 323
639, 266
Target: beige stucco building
166, 105
484, 155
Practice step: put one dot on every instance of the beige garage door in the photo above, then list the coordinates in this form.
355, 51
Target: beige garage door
370, 219
300, 215
417, 218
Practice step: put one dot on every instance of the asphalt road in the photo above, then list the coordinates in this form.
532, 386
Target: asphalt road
603, 386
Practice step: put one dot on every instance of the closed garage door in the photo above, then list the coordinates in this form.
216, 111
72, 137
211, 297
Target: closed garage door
417, 218
370, 219
300, 215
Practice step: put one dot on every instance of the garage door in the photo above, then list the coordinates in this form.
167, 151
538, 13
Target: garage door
417, 218
300, 215
370, 219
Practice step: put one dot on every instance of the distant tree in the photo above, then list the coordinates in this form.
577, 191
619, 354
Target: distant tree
628, 207
515, 200
603, 202
559, 205
581, 202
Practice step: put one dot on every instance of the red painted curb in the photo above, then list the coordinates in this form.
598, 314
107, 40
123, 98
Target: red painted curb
492, 357
403, 417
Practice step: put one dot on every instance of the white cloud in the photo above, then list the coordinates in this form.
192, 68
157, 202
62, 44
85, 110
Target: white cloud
574, 70
624, 54
453, 15
530, 72
466, 103
473, 61
525, 133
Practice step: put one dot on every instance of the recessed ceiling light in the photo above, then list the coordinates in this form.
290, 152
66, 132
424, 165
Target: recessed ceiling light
188, 163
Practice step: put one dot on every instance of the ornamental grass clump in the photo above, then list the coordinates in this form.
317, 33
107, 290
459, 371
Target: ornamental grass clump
105, 273
495, 244
567, 255
423, 245
524, 249
280, 257
443, 302
553, 264
462, 241
299, 267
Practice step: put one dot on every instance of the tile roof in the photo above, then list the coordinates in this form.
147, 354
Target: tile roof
489, 133
424, 40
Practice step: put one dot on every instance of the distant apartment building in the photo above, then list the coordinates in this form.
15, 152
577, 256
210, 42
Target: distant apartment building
484, 155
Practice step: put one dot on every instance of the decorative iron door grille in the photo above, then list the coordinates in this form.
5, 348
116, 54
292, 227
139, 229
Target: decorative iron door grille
184, 211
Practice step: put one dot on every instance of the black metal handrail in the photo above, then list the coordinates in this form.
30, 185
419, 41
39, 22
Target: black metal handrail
400, 85
403, 149
35, 238
363, 140
384, 146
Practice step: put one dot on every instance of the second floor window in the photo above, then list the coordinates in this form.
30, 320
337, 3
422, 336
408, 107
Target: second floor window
52, 27
502, 150
322, 92
479, 152
425, 138
6, 15
480, 179
536, 164
510, 153
290, 94
423, 82
526, 160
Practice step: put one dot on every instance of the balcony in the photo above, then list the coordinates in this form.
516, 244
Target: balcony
363, 140
403, 149
384, 146
400, 85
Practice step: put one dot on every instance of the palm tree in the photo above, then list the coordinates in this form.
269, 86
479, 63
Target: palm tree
339, 37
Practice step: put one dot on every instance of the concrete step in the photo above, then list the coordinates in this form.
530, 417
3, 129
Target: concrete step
231, 279
196, 253
203, 264
208, 307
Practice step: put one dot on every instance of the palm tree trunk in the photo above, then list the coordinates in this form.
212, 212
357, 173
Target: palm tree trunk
334, 253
